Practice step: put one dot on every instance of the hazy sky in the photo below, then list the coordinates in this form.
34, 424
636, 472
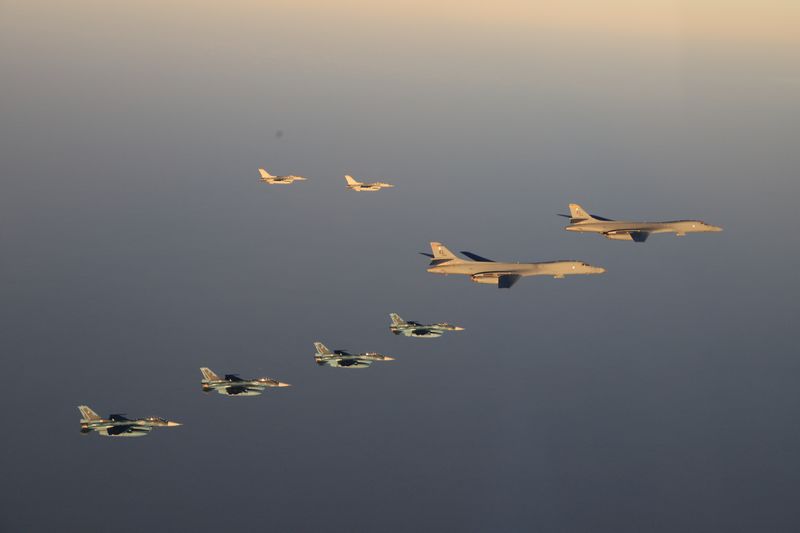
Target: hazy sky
138, 245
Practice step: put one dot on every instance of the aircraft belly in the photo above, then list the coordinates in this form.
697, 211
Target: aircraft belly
428, 335
128, 435
247, 393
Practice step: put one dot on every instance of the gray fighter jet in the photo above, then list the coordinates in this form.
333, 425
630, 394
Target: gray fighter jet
625, 230
266, 177
233, 385
118, 425
410, 328
503, 275
344, 359
359, 186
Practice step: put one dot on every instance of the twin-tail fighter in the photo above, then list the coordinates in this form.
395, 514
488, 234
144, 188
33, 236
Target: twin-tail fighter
345, 359
118, 425
626, 230
502, 275
266, 177
233, 385
361, 186
409, 328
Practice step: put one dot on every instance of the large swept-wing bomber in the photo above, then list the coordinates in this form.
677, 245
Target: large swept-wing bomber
625, 230
118, 425
503, 275
409, 328
266, 177
233, 385
345, 359
361, 186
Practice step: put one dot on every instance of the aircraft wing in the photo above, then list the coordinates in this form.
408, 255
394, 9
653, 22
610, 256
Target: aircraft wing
239, 389
476, 257
506, 281
637, 235
351, 362
126, 428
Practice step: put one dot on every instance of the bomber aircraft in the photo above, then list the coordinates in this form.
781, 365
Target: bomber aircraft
344, 359
410, 328
625, 230
360, 186
118, 425
503, 275
266, 177
233, 385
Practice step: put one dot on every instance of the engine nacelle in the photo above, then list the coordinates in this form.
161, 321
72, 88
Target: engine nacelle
618, 236
490, 279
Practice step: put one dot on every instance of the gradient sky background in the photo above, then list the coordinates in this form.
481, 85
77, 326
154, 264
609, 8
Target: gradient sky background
138, 245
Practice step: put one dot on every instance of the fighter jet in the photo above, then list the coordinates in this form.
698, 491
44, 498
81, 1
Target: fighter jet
415, 329
266, 177
360, 186
344, 359
503, 275
118, 425
233, 385
624, 230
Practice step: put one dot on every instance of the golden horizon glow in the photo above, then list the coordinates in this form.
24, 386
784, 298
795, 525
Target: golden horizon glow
741, 20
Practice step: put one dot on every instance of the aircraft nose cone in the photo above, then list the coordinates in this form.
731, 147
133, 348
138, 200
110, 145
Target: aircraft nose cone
173, 424
388, 358
716, 228
458, 328
599, 270
282, 384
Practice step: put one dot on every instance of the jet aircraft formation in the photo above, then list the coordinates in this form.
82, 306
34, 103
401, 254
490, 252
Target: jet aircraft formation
352, 183
443, 261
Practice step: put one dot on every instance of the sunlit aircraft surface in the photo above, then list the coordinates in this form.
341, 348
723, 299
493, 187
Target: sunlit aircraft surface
503, 275
345, 359
233, 385
118, 425
626, 230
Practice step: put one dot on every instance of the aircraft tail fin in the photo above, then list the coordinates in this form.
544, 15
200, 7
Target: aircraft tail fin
209, 374
396, 320
441, 254
264, 173
87, 413
322, 349
579, 214
351, 180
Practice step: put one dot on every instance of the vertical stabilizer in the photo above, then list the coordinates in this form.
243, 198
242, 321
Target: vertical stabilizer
440, 252
321, 348
209, 374
264, 173
351, 181
579, 214
396, 320
87, 413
